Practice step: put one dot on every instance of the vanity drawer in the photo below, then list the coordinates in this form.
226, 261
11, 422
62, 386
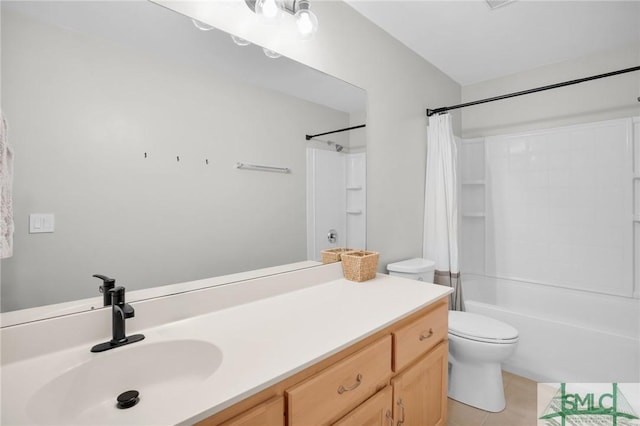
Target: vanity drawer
420, 336
269, 413
377, 410
330, 394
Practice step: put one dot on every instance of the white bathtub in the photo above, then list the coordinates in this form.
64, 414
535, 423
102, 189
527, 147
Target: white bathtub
565, 335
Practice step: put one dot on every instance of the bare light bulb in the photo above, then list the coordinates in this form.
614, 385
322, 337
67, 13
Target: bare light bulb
201, 25
306, 20
240, 41
270, 53
268, 9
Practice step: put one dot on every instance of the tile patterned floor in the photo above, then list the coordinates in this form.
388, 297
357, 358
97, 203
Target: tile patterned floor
521, 396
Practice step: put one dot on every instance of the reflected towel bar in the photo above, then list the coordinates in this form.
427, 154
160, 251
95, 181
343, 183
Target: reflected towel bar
263, 168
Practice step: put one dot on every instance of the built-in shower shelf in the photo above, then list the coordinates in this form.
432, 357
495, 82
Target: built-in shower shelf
354, 188
636, 177
473, 182
354, 211
473, 214
636, 218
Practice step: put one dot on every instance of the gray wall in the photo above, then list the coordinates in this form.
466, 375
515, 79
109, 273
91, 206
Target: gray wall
83, 111
608, 98
400, 86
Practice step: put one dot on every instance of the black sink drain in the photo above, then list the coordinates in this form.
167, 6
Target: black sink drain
128, 399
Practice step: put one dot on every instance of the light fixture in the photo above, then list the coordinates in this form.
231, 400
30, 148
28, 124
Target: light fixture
270, 53
306, 20
240, 41
271, 10
201, 25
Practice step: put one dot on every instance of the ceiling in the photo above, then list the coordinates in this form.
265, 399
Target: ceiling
470, 42
464, 38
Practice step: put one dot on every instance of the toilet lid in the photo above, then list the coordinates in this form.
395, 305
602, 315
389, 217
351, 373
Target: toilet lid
412, 266
480, 328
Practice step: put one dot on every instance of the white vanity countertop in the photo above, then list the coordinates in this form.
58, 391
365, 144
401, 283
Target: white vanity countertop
262, 343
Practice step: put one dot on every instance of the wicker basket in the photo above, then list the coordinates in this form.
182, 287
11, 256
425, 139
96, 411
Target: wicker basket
360, 265
333, 255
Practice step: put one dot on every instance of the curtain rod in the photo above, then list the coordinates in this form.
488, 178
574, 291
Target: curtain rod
309, 137
431, 112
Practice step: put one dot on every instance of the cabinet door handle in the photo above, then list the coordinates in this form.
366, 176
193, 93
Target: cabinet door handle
424, 336
389, 417
401, 405
343, 389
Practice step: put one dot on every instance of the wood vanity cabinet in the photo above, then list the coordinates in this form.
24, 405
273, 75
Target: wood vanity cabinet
420, 387
396, 377
420, 392
269, 413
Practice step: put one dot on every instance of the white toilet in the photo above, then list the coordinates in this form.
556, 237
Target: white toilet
477, 347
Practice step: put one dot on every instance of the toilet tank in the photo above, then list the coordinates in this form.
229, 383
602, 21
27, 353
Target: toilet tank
414, 269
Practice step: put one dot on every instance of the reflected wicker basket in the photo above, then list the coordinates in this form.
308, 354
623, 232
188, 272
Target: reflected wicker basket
333, 255
360, 265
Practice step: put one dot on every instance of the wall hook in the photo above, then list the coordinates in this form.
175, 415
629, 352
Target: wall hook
206, 160
145, 155
178, 158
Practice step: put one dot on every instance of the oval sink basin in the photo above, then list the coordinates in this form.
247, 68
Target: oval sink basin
162, 372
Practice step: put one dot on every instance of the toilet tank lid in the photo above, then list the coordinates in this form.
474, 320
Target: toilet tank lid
473, 326
412, 266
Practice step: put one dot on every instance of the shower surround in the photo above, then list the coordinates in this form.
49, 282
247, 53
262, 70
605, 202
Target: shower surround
549, 226
336, 200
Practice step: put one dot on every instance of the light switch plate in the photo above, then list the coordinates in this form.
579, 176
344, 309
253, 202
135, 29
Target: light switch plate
41, 222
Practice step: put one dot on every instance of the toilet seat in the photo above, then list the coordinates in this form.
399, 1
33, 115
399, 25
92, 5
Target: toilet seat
480, 328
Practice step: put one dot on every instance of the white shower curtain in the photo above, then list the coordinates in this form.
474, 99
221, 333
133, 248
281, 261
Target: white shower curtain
6, 187
441, 207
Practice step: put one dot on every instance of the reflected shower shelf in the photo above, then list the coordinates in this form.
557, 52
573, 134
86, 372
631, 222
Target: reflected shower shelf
473, 182
354, 211
354, 188
636, 218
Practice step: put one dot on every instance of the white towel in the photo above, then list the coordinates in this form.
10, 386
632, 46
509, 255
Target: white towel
6, 192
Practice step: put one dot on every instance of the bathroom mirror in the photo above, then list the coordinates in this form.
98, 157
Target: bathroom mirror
128, 123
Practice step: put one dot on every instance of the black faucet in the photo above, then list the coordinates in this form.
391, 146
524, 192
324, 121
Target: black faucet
120, 311
107, 284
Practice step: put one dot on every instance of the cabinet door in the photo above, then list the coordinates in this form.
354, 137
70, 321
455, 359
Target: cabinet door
420, 393
376, 411
269, 413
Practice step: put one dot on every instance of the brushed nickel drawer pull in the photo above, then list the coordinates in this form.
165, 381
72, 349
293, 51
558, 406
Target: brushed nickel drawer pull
424, 337
342, 389
401, 405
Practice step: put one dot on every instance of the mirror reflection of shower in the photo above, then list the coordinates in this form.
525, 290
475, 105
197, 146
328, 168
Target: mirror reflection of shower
328, 144
336, 194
